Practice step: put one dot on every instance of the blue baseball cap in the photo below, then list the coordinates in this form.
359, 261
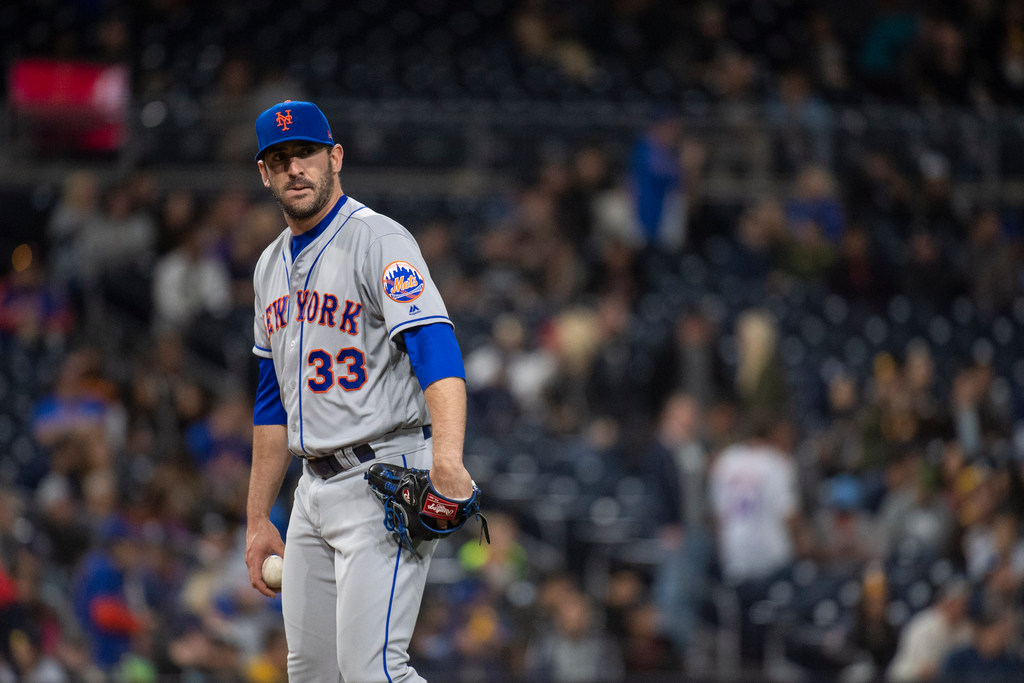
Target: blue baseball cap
291, 121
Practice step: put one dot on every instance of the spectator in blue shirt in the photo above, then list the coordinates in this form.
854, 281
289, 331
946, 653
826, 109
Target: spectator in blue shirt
988, 657
659, 184
101, 595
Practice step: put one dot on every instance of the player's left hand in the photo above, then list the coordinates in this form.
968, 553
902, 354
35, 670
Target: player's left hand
451, 481
414, 508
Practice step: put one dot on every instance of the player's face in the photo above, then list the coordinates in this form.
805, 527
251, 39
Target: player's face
301, 176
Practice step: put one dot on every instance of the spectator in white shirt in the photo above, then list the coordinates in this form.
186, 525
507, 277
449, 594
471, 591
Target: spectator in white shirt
187, 282
931, 635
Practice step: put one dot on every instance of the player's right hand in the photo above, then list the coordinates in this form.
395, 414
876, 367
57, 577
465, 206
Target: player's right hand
261, 539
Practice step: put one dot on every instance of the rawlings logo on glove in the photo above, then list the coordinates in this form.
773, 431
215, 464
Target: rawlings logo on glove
435, 507
411, 503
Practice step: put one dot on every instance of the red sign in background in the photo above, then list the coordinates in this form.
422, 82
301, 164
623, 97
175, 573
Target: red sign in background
73, 104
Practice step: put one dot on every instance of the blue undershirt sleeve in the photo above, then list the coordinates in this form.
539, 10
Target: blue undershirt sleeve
434, 353
268, 408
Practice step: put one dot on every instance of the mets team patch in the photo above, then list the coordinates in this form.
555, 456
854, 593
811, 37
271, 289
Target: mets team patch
402, 282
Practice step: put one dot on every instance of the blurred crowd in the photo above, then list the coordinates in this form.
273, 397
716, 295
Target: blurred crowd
781, 438
953, 52
201, 72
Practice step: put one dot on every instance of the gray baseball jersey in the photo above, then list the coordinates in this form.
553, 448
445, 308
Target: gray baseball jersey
329, 319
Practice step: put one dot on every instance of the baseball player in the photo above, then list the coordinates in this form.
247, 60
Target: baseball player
358, 364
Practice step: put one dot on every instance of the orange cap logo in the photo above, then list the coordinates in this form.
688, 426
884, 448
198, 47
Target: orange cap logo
284, 120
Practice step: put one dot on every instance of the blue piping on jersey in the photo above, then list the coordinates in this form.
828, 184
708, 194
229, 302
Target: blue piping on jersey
287, 282
303, 240
302, 325
287, 288
391, 601
418, 320
387, 623
257, 346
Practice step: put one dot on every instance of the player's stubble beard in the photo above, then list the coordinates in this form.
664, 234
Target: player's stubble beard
303, 209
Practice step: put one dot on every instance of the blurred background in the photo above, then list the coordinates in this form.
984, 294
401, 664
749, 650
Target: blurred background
738, 286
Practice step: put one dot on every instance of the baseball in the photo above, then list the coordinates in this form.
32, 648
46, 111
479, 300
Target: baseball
272, 571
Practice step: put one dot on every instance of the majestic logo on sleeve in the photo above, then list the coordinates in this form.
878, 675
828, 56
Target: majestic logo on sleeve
402, 282
284, 120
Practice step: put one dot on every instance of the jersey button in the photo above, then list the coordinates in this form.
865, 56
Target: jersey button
292, 385
295, 428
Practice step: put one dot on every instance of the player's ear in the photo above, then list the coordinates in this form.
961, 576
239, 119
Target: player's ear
337, 155
263, 173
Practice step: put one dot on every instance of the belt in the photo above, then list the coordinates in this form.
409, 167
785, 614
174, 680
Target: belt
346, 458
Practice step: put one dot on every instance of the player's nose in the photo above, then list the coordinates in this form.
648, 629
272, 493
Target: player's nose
295, 167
